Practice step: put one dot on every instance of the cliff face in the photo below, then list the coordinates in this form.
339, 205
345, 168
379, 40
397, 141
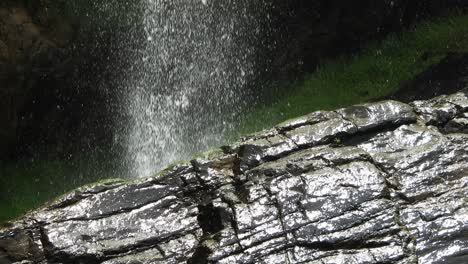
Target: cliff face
53, 54
32, 43
383, 182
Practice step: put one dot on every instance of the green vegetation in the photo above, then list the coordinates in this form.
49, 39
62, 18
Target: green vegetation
28, 185
376, 72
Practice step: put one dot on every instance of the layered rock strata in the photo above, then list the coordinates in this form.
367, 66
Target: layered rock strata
384, 182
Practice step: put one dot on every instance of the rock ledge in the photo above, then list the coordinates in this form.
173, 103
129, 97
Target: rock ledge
385, 182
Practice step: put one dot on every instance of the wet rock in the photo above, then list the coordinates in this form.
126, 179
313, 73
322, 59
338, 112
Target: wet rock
322, 132
377, 183
369, 116
457, 125
442, 109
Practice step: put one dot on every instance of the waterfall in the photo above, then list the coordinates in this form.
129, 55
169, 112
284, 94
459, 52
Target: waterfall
187, 84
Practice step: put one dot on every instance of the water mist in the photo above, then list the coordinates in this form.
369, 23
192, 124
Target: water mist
188, 82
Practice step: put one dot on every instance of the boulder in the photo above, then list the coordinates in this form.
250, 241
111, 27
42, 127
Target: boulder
383, 182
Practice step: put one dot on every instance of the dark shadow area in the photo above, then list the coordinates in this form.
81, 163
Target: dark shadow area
447, 77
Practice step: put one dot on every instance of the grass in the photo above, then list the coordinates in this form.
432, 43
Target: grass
377, 71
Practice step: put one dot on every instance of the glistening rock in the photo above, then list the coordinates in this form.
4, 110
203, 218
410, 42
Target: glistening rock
385, 182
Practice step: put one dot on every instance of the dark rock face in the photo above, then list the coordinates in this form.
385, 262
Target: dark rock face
383, 182
31, 51
56, 84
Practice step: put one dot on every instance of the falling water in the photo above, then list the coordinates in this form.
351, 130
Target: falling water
188, 83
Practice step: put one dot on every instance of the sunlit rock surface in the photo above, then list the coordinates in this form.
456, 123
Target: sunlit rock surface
384, 182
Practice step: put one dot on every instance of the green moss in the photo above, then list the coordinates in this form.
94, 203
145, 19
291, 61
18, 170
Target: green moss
108, 181
210, 154
104, 182
291, 120
377, 71
171, 166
